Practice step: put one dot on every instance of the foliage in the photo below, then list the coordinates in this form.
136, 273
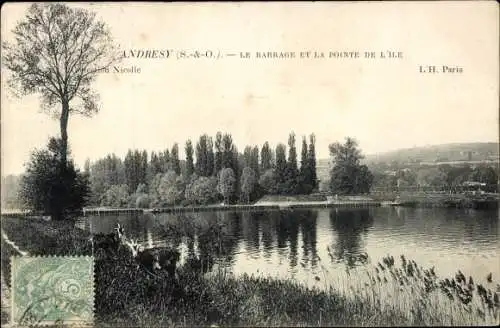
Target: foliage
251, 158
58, 53
290, 183
204, 156
218, 153
189, 158
268, 182
142, 201
348, 176
140, 198
103, 174
248, 183
171, 188
266, 158
116, 196
305, 178
51, 185
226, 184
155, 167
174, 159
202, 191
444, 177
312, 161
280, 164
136, 168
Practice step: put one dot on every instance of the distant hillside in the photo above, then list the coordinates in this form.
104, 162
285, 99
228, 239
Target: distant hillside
477, 151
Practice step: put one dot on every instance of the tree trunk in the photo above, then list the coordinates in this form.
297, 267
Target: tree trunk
64, 130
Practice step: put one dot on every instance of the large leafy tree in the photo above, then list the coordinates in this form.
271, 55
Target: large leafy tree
171, 188
348, 176
57, 53
51, 186
202, 190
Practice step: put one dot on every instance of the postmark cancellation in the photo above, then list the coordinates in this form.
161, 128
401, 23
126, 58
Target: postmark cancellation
48, 290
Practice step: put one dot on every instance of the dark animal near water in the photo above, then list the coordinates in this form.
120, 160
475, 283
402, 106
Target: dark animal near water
167, 260
110, 240
144, 257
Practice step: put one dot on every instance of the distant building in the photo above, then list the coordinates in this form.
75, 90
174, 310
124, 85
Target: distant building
473, 186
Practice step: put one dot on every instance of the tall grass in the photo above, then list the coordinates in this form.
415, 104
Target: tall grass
421, 295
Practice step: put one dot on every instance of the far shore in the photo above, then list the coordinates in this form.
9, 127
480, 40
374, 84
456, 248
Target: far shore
272, 202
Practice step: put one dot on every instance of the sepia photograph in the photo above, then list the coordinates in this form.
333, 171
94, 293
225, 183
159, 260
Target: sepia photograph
249, 164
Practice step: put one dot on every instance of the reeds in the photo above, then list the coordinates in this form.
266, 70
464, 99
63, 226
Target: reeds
422, 296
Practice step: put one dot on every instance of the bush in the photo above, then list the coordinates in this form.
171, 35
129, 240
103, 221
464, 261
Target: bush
202, 191
51, 187
171, 188
142, 201
268, 181
116, 196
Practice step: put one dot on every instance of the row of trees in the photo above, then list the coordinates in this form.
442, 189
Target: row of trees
210, 167
58, 52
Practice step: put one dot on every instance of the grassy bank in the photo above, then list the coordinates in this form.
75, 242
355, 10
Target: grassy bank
434, 199
126, 296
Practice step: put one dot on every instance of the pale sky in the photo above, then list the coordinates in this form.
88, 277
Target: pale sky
384, 103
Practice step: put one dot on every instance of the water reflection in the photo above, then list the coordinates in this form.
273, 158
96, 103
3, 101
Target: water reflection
296, 244
350, 226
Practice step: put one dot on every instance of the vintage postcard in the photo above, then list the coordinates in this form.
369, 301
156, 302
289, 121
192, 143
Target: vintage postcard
250, 164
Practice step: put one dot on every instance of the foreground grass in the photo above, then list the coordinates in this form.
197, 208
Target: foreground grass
127, 296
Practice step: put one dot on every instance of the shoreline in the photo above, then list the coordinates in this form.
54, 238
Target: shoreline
449, 202
318, 201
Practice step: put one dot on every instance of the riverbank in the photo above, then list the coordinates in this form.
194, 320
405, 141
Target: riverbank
276, 202
443, 199
126, 296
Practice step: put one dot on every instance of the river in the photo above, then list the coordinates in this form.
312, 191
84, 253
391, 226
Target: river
318, 247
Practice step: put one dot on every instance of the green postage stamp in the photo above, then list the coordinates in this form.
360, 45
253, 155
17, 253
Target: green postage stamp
52, 290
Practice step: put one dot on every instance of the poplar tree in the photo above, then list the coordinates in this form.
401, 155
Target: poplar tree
292, 169
266, 159
218, 153
176, 165
312, 161
189, 158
